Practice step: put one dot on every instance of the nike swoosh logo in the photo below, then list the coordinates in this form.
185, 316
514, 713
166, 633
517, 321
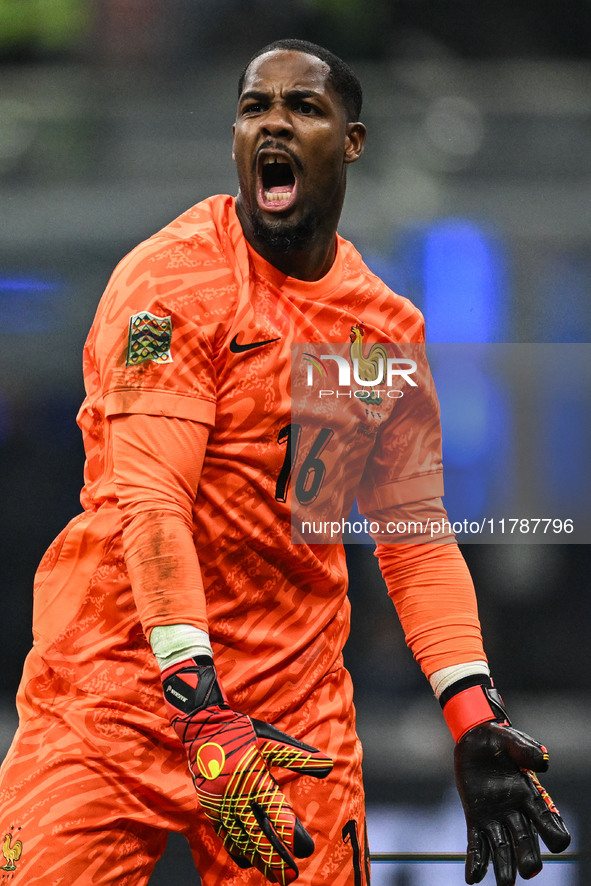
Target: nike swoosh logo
237, 348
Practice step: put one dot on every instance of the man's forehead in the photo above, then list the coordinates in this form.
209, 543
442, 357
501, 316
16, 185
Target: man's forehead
286, 68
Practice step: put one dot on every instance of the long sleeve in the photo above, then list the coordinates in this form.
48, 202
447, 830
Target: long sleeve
434, 597
157, 463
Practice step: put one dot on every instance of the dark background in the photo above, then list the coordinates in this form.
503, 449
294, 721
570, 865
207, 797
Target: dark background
116, 115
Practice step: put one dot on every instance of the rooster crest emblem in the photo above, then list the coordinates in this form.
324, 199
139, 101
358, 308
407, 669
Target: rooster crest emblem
369, 368
11, 853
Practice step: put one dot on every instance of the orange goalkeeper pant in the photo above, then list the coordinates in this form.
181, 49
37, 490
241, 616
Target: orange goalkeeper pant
89, 792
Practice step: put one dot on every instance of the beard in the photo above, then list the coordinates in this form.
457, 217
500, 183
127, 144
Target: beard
283, 235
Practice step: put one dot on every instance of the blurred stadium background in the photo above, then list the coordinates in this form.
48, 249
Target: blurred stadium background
473, 199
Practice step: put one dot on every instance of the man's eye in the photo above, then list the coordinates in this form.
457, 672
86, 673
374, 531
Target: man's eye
254, 108
307, 108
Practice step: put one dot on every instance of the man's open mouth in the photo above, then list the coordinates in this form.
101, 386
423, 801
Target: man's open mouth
277, 183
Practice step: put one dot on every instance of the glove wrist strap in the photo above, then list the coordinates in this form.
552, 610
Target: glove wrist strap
190, 686
465, 707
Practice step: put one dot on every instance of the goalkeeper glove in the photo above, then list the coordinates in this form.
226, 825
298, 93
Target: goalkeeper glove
229, 757
504, 803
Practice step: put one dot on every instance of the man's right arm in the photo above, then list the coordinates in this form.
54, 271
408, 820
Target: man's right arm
157, 463
157, 466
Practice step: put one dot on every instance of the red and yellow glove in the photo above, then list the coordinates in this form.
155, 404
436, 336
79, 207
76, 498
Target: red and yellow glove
504, 803
229, 757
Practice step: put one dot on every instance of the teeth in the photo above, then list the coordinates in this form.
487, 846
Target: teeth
267, 161
277, 197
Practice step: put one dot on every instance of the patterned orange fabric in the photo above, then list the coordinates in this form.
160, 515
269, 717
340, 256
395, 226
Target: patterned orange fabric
222, 298
194, 326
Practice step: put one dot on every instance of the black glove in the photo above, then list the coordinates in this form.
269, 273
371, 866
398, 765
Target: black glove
504, 803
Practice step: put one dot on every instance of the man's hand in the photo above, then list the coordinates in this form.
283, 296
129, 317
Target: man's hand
504, 803
229, 757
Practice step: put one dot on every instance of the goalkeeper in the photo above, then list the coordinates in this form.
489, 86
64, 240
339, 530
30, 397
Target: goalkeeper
186, 672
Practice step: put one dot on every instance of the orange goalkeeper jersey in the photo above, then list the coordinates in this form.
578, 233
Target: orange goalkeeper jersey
195, 325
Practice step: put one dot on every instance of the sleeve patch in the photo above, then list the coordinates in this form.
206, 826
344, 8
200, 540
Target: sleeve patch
150, 338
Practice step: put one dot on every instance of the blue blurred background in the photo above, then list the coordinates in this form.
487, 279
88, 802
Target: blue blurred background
473, 199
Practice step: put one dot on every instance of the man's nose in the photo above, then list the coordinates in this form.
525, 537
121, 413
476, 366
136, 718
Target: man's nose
277, 122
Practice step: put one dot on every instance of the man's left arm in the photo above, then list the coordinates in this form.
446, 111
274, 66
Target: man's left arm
495, 765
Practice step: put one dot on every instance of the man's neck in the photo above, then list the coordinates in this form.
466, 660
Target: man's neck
309, 261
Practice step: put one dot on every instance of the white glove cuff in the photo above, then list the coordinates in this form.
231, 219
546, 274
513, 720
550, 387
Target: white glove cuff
173, 643
440, 680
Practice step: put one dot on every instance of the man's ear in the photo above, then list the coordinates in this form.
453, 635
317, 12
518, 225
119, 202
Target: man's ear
354, 142
233, 134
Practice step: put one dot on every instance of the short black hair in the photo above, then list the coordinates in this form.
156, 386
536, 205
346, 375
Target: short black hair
342, 78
